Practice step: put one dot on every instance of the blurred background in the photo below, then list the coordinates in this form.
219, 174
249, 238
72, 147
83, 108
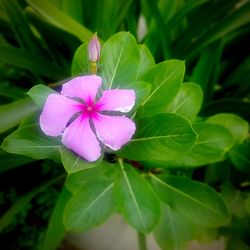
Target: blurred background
37, 44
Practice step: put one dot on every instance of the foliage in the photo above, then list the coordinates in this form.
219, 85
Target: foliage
187, 167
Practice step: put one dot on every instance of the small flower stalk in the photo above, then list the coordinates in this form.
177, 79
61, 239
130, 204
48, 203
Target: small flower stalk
94, 50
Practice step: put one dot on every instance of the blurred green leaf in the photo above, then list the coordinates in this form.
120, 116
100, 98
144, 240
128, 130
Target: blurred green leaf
240, 156
21, 26
61, 19
74, 10
236, 19
166, 79
188, 101
25, 60
29, 140
162, 137
119, 60
10, 161
22, 201
136, 199
235, 124
238, 107
11, 114
195, 201
55, 230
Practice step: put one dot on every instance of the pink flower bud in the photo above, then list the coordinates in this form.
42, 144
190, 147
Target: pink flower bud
94, 49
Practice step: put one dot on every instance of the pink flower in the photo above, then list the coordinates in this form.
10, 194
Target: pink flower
82, 119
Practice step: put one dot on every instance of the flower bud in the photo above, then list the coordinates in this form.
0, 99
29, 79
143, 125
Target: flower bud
94, 49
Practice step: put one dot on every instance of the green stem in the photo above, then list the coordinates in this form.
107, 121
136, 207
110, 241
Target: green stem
142, 241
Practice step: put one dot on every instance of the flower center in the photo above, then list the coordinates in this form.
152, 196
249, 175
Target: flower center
89, 108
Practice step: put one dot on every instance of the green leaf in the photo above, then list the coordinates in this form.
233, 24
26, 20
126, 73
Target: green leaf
119, 60
80, 63
11, 114
74, 10
235, 124
22, 201
173, 230
61, 19
188, 101
212, 143
25, 60
87, 176
142, 90
235, 106
166, 79
236, 19
90, 205
39, 94
136, 199
195, 201
240, 156
146, 60
55, 230
164, 136
10, 161
30, 141
20, 25
74, 163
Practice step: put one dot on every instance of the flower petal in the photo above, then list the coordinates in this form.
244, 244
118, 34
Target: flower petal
79, 137
56, 113
121, 100
84, 87
114, 131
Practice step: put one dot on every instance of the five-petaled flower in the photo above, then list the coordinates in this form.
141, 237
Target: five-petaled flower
87, 122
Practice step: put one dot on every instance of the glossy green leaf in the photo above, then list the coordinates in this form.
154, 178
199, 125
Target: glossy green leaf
61, 19
55, 230
173, 230
119, 60
136, 199
39, 94
10, 161
30, 141
240, 156
166, 79
8, 216
25, 60
80, 64
212, 143
164, 136
74, 163
146, 60
11, 114
235, 124
188, 101
90, 205
196, 201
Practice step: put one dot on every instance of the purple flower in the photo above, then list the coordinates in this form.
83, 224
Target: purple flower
94, 49
83, 120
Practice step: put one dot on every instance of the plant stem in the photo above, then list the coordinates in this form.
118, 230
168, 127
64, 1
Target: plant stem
142, 241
